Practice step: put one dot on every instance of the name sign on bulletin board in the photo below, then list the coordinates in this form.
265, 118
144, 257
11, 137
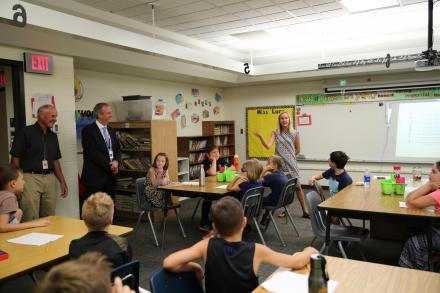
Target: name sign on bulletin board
263, 120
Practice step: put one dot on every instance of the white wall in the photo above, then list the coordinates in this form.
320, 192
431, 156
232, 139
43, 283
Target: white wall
237, 99
60, 84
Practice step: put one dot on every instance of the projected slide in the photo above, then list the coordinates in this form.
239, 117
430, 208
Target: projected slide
418, 130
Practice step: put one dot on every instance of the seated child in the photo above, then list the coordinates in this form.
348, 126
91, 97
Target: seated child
273, 176
11, 187
97, 212
247, 179
211, 164
156, 176
90, 273
231, 265
415, 251
337, 176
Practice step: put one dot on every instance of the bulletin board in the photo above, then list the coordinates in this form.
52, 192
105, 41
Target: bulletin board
263, 120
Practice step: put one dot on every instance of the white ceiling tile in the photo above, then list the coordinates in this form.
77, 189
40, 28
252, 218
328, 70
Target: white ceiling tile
279, 16
211, 13
257, 20
270, 10
281, 1
247, 14
223, 2
288, 21
259, 3
235, 8
327, 7
293, 5
266, 25
167, 4
310, 17
185, 9
319, 2
302, 11
333, 13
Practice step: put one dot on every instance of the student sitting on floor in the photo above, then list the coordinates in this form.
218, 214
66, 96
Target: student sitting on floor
97, 212
231, 265
415, 251
88, 274
11, 187
273, 176
337, 176
247, 179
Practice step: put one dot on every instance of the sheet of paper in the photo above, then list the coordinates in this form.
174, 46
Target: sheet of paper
190, 183
402, 204
381, 177
284, 281
222, 186
35, 238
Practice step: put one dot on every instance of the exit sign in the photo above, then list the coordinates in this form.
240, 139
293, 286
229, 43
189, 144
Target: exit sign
38, 63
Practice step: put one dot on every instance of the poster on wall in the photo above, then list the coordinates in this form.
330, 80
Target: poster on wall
38, 100
263, 120
82, 118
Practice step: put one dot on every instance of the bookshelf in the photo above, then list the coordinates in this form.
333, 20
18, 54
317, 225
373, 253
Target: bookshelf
222, 134
194, 148
182, 169
140, 141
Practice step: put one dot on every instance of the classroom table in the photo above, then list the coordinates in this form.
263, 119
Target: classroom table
25, 259
365, 203
357, 276
210, 191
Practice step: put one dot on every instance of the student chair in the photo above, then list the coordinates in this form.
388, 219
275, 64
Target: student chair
337, 233
129, 273
164, 281
146, 207
286, 198
252, 203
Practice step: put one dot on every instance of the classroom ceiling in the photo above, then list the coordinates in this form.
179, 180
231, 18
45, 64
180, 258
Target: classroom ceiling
222, 22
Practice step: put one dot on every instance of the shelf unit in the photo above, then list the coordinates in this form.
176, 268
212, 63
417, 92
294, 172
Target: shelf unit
182, 169
140, 141
194, 148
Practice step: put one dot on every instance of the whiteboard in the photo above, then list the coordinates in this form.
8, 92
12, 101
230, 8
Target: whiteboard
359, 129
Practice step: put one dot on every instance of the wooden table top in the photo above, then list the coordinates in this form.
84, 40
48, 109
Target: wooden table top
371, 200
26, 258
357, 276
210, 187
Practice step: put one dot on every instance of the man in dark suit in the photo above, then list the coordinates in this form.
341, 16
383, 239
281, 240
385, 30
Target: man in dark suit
101, 153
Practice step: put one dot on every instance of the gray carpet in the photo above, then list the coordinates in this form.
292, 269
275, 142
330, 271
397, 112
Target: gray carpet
151, 257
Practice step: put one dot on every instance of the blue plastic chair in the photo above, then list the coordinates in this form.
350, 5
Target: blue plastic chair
165, 281
129, 273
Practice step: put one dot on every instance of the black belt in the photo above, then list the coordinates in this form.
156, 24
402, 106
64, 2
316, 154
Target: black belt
42, 172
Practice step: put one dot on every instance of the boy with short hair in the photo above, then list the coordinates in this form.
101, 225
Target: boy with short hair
88, 274
11, 187
231, 265
97, 212
337, 176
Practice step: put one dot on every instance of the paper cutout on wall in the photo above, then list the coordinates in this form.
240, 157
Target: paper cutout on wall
209, 103
218, 98
78, 89
206, 102
198, 101
195, 118
205, 114
179, 98
203, 104
183, 121
195, 103
195, 92
188, 106
160, 109
216, 110
175, 114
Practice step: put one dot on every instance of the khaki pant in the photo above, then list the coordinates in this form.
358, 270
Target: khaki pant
39, 196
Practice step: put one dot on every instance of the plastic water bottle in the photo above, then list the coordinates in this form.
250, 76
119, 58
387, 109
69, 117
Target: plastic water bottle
367, 178
202, 177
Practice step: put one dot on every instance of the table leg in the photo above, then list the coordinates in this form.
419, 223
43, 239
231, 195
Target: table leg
327, 232
429, 236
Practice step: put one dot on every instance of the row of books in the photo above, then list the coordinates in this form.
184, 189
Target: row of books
196, 157
194, 171
221, 140
224, 152
136, 163
195, 145
132, 142
126, 203
223, 129
125, 183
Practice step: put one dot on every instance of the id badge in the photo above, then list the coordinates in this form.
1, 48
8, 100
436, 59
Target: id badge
110, 153
45, 164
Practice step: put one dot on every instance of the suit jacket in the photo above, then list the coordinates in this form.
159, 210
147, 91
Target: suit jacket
96, 169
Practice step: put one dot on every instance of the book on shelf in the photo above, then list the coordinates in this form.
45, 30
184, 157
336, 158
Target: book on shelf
194, 171
221, 140
136, 163
222, 129
224, 152
195, 145
196, 157
130, 142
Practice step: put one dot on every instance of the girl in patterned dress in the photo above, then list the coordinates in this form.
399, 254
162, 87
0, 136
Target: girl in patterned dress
287, 146
156, 176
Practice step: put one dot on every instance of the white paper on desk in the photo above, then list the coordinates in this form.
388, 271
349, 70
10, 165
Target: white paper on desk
35, 238
402, 204
285, 281
222, 186
381, 177
190, 183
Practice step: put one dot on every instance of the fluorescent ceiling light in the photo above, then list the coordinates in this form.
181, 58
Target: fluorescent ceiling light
363, 5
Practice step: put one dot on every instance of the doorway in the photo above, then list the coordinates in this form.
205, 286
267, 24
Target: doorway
12, 105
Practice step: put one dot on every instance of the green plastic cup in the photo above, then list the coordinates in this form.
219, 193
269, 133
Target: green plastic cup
229, 175
399, 188
220, 177
387, 186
